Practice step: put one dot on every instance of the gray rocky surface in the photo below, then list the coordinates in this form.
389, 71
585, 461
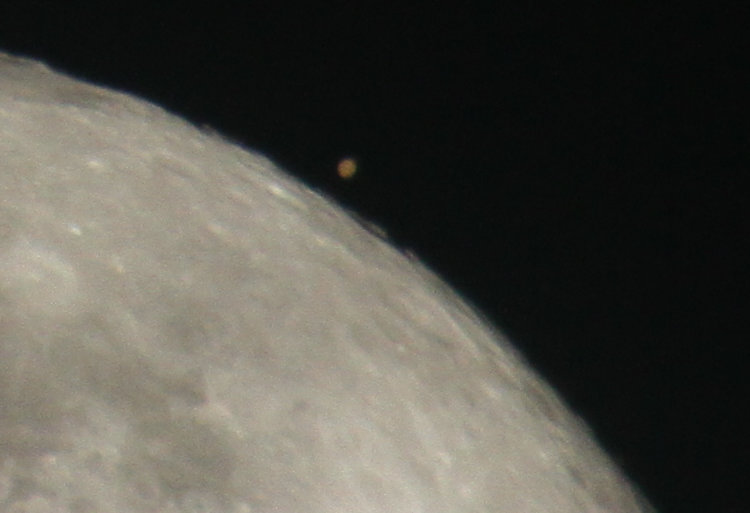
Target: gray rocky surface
185, 328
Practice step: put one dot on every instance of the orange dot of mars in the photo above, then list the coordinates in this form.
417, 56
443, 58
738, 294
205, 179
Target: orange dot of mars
347, 168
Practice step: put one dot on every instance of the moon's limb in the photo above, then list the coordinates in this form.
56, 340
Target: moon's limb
185, 328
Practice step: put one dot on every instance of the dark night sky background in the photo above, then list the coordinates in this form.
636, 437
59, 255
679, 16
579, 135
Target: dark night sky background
575, 173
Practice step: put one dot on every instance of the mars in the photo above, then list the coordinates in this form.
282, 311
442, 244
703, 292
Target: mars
347, 168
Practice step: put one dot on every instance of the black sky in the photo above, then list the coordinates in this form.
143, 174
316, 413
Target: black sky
575, 173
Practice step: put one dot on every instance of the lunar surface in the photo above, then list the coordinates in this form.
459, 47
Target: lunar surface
185, 328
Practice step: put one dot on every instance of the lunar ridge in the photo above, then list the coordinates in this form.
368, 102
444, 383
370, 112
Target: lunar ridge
186, 328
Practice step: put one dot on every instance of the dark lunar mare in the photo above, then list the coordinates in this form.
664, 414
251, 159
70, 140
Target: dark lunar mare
185, 328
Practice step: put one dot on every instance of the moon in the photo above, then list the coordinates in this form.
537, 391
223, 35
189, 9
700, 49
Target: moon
186, 328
